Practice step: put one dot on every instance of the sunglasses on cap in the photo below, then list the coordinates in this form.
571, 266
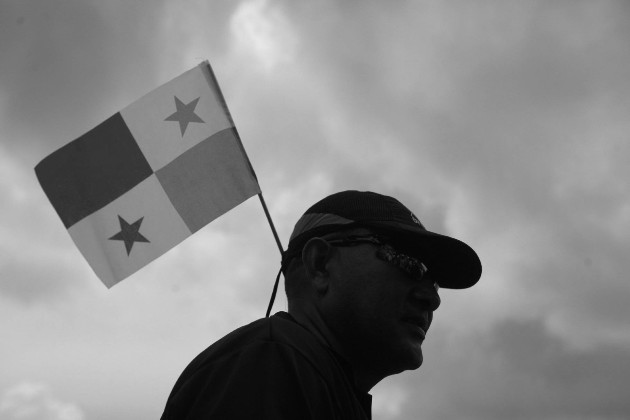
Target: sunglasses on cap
386, 252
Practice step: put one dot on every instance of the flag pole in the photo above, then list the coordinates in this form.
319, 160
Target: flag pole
275, 235
213, 82
273, 228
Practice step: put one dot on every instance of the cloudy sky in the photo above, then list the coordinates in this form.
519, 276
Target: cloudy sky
505, 124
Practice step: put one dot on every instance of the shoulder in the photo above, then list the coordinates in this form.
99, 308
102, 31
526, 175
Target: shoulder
272, 363
279, 331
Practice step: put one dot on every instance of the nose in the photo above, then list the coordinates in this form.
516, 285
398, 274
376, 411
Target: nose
426, 296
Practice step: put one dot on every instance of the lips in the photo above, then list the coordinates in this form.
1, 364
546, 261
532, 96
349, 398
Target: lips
418, 323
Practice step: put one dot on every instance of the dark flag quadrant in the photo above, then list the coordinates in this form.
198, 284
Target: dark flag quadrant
148, 177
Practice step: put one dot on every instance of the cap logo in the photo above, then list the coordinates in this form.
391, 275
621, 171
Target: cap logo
415, 219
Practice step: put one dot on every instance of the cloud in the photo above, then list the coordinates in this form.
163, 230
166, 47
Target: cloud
37, 263
62, 65
518, 370
36, 401
481, 90
263, 31
389, 401
44, 58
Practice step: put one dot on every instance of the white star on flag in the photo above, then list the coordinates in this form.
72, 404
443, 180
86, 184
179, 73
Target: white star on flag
135, 186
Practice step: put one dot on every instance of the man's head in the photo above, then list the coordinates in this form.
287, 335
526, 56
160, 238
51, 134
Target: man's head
365, 271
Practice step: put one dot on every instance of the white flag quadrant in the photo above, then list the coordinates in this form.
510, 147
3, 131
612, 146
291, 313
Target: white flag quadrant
114, 247
172, 119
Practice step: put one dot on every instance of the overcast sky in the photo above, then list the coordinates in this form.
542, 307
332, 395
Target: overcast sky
505, 124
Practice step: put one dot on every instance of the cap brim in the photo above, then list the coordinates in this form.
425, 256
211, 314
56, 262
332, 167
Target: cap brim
454, 263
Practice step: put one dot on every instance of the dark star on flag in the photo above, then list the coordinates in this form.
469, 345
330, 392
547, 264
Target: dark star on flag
129, 233
185, 114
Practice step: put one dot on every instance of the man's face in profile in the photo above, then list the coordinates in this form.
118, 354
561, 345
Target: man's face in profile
377, 311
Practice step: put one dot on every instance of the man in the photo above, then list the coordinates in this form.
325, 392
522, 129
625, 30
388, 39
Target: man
362, 277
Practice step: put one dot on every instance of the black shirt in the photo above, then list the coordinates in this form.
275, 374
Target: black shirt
273, 368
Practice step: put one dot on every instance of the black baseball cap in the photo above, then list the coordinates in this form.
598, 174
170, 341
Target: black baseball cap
454, 263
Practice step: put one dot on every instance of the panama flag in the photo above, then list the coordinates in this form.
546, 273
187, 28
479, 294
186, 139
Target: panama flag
150, 176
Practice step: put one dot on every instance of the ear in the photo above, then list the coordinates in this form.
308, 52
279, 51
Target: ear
316, 256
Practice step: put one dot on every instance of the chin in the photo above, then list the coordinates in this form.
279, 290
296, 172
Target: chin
415, 364
410, 360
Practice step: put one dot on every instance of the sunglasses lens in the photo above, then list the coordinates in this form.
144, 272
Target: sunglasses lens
387, 253
408, 264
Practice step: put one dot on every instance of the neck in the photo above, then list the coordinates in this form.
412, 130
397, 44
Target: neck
364, 378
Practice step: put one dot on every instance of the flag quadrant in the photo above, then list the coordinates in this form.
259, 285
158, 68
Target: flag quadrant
148, 177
